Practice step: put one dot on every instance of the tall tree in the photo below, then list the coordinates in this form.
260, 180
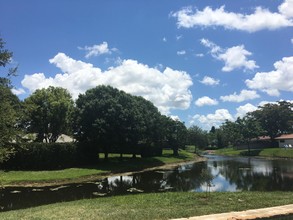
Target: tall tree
275, 119
5, 59
112, 120
9, 105
197, 137
48, 113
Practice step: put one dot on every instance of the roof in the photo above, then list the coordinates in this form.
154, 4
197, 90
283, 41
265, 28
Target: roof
285, 136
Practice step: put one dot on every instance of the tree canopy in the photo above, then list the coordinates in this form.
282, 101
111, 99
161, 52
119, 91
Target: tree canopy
48, 113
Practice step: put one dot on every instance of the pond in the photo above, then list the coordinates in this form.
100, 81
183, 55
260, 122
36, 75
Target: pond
216, 174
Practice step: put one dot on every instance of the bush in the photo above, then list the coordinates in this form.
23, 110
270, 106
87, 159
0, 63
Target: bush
39, 156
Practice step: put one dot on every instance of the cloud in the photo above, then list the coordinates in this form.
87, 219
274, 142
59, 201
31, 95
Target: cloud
97, 50
164, 39
181, 52
260, 19
291, 40
276, 80
209, 120
167, 89
243, 96
286, 8
233, 57
199, 55
244, 109
209, 81
205, 100
19, 91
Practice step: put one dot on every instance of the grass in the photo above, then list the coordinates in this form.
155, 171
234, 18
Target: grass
267, 152
114, 165
153, 206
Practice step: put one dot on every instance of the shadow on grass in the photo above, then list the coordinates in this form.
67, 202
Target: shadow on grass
254, 152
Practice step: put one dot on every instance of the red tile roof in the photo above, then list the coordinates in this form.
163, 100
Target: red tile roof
285, 136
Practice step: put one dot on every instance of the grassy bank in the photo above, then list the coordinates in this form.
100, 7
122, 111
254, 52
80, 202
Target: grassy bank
114, 165
154, 206
268, 152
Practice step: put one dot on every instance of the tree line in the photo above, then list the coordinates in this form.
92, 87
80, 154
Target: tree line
107, 120
271, 120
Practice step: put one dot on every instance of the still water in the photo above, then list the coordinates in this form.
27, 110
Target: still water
216, 174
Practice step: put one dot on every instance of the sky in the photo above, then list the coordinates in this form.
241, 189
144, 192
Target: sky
200, 61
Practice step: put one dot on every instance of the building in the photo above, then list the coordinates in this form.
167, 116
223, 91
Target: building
285, 140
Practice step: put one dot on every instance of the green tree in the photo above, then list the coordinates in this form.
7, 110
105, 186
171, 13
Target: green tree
49, 113
5, 59
275, 119
112, 120
9, 106
197, 137
174, 134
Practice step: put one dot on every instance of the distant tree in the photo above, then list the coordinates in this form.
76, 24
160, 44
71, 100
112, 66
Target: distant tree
48, 113
249, 128
275, 119
197, 137
230, 133
174, 134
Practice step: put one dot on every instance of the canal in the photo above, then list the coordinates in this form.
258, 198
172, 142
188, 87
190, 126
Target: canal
217, 173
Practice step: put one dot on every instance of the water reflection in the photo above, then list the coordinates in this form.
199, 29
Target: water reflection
217, 173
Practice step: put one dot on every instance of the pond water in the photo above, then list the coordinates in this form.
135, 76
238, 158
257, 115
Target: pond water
216, 174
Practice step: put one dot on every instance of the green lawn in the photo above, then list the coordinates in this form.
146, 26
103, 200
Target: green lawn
267, 152
153, 206
114, 165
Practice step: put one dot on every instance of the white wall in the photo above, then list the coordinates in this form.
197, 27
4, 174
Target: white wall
285, 142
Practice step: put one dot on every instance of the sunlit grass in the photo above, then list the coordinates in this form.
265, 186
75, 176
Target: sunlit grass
267, 152
154, 206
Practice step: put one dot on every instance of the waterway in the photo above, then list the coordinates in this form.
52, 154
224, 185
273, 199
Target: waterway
217, 173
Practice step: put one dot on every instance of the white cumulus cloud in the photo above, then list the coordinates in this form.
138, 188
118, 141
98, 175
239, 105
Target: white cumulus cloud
233, 57
97, 50
280, 79
244, 109
260, 19
205, 100
209, 81
286, 8
167, 89
209, 120
243, 96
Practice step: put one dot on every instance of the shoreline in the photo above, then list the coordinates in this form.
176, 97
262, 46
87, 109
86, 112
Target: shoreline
97, 177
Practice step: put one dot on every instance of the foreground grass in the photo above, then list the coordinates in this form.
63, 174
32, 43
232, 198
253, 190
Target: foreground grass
267, 152
154, 206
114, 165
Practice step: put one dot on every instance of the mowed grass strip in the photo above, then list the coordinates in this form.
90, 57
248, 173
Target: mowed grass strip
154, 206
115, 164
267, 152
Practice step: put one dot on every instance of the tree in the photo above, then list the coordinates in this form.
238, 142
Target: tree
9, 106
174, 134
275, 119
112, 120
5, 59
197, 137
48, 113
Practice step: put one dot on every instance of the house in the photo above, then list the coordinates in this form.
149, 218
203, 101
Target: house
285, 140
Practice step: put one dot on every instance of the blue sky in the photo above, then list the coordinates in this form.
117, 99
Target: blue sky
201, 61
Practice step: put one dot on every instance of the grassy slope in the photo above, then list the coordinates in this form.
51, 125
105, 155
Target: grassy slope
268, 152
114, 165
154, 206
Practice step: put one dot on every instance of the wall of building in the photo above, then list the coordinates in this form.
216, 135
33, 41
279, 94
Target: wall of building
284, 142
